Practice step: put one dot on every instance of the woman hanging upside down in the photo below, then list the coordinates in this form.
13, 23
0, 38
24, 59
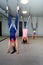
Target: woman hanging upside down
25, 37
13, 29
34, 34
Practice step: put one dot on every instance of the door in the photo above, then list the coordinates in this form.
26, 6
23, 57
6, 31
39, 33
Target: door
20, 28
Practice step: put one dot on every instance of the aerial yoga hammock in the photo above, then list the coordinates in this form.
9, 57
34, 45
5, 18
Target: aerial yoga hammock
13, 29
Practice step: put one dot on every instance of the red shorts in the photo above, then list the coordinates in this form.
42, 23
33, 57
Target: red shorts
12, 40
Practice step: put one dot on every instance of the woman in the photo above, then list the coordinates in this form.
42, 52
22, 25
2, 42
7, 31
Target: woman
13, 29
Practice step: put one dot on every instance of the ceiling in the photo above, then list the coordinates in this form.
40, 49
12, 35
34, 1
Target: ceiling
34, 7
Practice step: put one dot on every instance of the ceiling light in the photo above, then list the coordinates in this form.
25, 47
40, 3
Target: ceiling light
24, 12
24, 1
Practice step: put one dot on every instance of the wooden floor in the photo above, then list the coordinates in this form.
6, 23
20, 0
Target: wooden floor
29, 54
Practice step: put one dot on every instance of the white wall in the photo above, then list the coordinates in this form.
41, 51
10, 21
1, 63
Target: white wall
40, 26
5, 30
